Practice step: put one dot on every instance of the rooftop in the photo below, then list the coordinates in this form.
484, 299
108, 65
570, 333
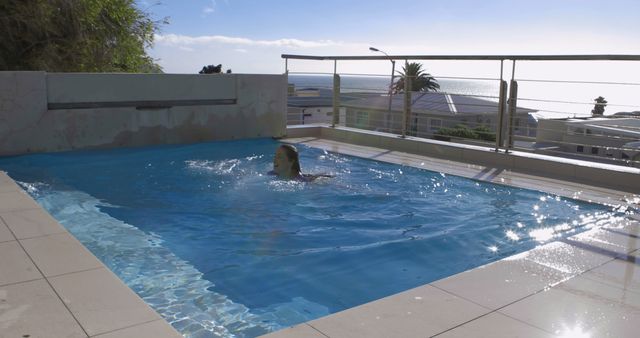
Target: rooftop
436, 103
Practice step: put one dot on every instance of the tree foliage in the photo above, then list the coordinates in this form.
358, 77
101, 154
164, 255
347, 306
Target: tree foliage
76, 36
420, 80
598, 109
211, 69
463, 131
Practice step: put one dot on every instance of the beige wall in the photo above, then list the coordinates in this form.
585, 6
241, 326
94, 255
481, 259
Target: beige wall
551, 130
187, 109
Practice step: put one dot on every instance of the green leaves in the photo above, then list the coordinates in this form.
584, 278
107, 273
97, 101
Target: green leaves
420, 80
76, 36
598, 109
478, 133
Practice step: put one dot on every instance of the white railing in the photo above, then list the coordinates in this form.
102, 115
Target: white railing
494, 114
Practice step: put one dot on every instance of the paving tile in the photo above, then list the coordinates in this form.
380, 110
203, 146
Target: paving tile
625, 226
155, 329
16, 200
15, 265
32, 309
503, 282
581, 305
566, 258
420, 312
495, 325
605, 241
31, 223
618, 273
101, 302
59, 254
7, 184
5, 234
298, 331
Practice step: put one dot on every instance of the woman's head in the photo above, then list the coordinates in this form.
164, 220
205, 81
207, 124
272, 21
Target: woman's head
285, 162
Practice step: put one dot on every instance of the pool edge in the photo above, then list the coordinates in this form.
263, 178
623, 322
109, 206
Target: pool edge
52, 272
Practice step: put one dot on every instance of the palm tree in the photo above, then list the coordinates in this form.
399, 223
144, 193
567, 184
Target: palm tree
598, 109
420, 80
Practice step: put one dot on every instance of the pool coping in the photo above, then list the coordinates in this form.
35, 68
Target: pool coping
517, 296
602, 175
51, 285
477, 172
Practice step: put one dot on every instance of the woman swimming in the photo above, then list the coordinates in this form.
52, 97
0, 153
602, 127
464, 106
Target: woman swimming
286, 164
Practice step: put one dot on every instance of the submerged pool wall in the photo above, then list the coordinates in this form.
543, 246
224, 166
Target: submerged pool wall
44, 112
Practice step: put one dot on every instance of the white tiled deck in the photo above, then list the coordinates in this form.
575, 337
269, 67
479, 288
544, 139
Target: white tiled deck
52, 286
587, 285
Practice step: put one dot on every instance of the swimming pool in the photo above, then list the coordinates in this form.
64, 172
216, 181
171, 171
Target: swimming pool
218, 248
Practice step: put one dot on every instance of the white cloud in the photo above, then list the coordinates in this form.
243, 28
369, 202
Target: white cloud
209, 9
241, 50
182, 40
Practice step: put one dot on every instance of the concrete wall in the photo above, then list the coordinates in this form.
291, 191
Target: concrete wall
551, 130
41, 112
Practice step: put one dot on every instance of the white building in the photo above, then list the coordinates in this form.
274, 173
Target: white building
617, 138
431, 111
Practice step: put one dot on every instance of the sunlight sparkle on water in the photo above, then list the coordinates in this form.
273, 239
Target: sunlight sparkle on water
493, 248
542, 235
512, 235
562, 227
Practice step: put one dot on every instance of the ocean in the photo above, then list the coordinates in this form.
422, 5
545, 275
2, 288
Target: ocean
552, 99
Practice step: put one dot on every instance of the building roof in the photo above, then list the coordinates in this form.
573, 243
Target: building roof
627, 114
629, 127
433, 103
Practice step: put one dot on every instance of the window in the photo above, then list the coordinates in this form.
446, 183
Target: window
594, 150
624, 156
580, 149
436, 124
575, 131
362, 119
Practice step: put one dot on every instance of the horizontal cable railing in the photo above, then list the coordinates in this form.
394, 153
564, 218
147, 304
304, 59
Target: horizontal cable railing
528, 113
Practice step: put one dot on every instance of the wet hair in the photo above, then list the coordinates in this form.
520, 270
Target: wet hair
292, 155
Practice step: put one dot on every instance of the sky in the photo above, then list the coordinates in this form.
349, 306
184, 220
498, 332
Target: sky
249, 36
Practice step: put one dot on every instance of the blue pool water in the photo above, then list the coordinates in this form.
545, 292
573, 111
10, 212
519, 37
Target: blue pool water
218, 248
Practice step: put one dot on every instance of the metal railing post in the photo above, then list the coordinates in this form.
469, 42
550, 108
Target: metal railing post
502, 103
336, 100
406, 112
513, 101
389, 113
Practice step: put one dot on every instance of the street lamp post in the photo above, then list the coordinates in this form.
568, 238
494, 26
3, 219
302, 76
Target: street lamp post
393, 69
